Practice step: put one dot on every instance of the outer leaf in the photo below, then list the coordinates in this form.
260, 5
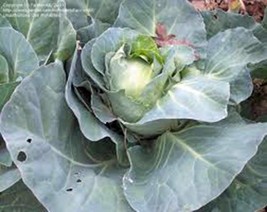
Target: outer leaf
230, 51
248, 191
8, 177
6, 91
88, 67
47, 146
66, 40
104, 10
218, 21
101, 110
5, 158
19, 198
4, 22
4, 72
95, 29
18, 60
90, 126
241, 87
185, 170
178, 16
198, 98
46, 34
18, 53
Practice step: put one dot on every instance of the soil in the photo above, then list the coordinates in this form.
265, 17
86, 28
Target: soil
258, 99
254, 8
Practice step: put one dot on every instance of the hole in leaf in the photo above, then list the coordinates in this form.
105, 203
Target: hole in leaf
79, 181
21, 156
29, 140
215, 16
69, 189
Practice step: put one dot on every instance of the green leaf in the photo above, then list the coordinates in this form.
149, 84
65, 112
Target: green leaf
9, 174
157, 127
97, 130
198, 98
8, 177
79, 19
19, 198
90, 126
45, 143
235, 49
178, 16
92, 31
4, 72
17, 60
248, 191
176, 59
110, 41
241, 87
104, 11
66, 40
146, 47
101, 110
6, 91
229, 52
218, 20
4, 22
121, 105
5, 158
88, 66
45, 33
18, 53
184, 170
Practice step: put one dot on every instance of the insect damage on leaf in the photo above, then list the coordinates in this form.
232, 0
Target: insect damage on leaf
163, 39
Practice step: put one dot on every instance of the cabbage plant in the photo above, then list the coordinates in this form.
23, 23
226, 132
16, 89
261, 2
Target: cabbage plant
144, 116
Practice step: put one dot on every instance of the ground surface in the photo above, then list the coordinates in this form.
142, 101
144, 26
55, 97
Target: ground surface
252, 7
